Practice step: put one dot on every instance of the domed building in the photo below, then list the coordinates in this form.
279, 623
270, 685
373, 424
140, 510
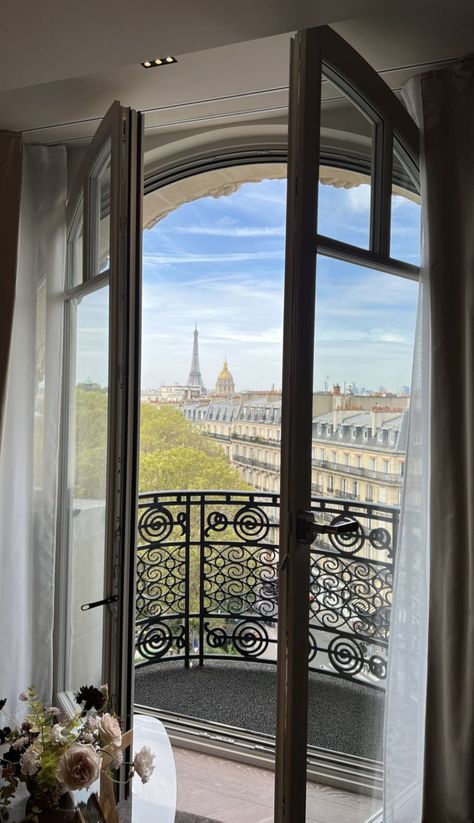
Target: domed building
225, 386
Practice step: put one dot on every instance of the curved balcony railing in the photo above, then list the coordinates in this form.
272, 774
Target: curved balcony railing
207, 582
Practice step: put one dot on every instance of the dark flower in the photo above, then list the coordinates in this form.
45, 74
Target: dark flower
11, 760
4, 734
91, 697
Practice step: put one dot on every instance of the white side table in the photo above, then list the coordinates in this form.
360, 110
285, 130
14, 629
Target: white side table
156, 800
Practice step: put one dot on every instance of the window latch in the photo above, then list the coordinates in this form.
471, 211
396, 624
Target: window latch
307, 529
87, 606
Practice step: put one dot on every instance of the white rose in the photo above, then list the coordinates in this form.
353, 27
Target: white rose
109, 731
143, 763
57, 734
78, 767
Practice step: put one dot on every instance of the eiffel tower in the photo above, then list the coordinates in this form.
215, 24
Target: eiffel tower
195, 381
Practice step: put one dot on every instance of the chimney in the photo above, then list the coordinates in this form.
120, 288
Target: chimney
374, 419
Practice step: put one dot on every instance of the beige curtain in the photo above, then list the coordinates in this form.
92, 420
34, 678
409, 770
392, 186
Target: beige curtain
10, 196
444, 105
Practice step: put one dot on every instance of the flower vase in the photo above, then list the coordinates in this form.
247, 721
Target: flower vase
49, 807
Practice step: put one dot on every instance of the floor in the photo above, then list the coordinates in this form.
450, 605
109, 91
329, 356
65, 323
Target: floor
343, 716
231, 792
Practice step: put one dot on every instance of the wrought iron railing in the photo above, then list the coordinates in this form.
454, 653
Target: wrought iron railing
207, 582
357, 471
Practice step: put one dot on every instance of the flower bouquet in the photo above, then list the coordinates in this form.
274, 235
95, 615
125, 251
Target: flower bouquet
53, 755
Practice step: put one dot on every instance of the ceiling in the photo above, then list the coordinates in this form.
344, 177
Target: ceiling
60, 70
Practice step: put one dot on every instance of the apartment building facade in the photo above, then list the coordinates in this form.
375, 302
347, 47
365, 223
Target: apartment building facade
358, 452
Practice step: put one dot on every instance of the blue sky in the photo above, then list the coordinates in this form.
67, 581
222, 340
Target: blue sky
220, 262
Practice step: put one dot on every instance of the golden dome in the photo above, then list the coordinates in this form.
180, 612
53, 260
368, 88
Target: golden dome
225, 381
225, 373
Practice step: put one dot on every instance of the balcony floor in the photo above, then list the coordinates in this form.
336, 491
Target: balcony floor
343, 716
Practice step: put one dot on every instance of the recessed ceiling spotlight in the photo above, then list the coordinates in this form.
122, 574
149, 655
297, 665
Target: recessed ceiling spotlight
159, 61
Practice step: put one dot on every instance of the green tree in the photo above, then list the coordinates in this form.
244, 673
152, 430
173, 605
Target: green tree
91, 443
175, 455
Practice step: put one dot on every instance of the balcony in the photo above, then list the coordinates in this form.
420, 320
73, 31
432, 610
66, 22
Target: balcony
207, 612
346, 495
358, 471
247, 438
256, 463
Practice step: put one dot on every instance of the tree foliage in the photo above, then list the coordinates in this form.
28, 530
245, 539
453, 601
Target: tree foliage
174, 454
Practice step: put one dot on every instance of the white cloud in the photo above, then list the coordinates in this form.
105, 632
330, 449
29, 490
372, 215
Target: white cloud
230, 231
359, 198
226, 257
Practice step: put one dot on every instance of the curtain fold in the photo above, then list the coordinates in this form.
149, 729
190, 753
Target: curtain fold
29, 454
405, 700
439, 787
11, 146
446, 112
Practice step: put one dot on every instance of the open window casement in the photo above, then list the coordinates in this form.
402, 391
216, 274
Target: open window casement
323, 68
95, 608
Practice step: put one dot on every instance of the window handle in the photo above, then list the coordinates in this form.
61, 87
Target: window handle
307, 529
87, 606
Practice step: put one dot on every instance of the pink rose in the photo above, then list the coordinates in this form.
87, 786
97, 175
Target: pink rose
78, 767
109, 731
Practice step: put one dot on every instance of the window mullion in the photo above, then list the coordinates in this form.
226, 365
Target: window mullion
381, 188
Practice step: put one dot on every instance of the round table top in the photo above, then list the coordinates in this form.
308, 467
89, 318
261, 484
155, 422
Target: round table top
155, 800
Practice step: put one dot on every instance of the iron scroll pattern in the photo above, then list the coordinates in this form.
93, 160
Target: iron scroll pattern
207, 582
351, 585
239, 576
162, 588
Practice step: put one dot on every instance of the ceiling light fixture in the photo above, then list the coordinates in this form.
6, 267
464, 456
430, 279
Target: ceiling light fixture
159, 61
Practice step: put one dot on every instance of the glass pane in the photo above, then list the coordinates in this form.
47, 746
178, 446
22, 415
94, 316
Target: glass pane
100, 214
363, 351
75, 248
210, 469
406, 213
87, 461
344, 195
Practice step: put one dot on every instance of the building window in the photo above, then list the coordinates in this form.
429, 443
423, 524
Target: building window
330, 483
369, 492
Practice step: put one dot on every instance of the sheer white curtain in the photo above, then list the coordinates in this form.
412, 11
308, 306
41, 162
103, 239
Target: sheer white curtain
29, 454
406, 682
430, 701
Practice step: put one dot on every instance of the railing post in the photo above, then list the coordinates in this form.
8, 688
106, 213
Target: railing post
202, 526
187, 555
